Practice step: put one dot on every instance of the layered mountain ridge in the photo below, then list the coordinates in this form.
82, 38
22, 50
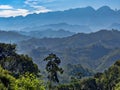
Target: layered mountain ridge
89, 17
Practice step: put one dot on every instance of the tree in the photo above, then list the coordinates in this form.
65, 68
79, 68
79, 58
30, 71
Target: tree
7, 50
18, 72
52, 67
15, 63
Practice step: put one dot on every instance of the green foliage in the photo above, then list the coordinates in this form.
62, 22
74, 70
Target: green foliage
109, 80
7, 50
6, 80
110, 77
117, 87
27, 72
117, 63
29, 82
89, 84
24, 82
15, 63
19, 73
52, 67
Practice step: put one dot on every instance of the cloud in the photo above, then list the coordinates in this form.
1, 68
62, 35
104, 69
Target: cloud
32, 6
38, 1
6, 7
41, 9
13, 12
37, 8
10, 11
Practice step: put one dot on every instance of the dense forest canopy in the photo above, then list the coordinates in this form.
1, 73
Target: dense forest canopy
19, 72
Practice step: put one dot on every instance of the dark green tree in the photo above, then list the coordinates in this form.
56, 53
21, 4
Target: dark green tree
15, 63
7, 50
52, 67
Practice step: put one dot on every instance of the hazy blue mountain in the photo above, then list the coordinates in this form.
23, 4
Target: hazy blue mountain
95, 19
91, 50
12, 37
56, 27
105, 37
49, 33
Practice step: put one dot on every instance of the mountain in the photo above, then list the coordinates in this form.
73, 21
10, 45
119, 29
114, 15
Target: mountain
108, 80
107, 60
11, 37
49, 33
59, 26
93, 50
94, 19
105, 37
72, 71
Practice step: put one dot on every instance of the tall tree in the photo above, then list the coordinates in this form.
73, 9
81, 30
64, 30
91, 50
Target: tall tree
52, 67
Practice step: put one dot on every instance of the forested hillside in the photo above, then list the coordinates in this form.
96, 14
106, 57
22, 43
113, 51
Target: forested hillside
109, 80
97, 51
18, 72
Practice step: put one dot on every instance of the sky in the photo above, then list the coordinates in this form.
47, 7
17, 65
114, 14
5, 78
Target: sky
14, 8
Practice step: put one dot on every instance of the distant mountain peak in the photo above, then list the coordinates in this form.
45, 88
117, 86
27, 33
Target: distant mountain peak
104, 8
87, 16
62, 23
89, 7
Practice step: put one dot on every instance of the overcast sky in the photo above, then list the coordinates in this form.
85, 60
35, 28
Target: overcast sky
23, 7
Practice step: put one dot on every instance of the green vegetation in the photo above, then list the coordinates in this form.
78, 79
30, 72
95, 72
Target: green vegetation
6, 80
96, 51
109, 80
29, 82
75, 72
53, 68
18, 72
24, 82
117, 87
15, 63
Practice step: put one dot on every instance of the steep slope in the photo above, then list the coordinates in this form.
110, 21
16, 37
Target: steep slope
88, 49
104, 37
109, 59
108, 80
87, 56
